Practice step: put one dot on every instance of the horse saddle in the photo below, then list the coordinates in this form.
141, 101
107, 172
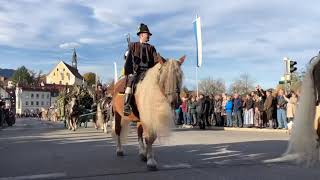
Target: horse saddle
120, 90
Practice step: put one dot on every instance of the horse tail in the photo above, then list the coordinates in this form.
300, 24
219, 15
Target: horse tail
303, 140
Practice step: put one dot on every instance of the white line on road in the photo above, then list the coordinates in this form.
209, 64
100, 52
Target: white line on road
180, 165
37, 176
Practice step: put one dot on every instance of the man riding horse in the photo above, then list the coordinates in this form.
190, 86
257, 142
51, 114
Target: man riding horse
141, 56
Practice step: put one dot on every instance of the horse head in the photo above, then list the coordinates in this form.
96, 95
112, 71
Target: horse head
170, 79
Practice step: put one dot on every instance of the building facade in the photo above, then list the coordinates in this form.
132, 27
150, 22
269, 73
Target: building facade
32, 100
65, 74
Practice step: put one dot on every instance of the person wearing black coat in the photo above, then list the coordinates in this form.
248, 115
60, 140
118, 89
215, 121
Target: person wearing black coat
201, 110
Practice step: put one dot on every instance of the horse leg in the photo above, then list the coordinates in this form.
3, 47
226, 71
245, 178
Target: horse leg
69, 123
142, 149
119, 149
105, 127
151, 162
73, 124
75, 121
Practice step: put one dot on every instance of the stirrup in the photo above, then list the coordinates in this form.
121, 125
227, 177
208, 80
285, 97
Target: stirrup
127, 110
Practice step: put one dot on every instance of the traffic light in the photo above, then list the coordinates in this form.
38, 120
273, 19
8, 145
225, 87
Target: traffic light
292, 66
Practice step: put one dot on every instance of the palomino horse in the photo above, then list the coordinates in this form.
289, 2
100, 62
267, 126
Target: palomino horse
72, 114
103, 113
155, 96
304, 140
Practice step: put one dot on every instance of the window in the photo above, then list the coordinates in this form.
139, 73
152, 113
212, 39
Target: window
42, 103
68, 76
47, 103
42, 96
57, 69
62, 76
31, 103
54, 74
27, 96
47, 96
63, 69
32, 95
37, 103
27, 103
37, 96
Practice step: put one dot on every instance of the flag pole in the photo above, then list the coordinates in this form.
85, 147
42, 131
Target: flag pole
115, 73
197, 81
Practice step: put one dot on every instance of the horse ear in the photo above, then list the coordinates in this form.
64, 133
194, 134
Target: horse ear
181, 60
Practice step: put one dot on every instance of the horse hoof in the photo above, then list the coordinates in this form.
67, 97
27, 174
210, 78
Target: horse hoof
143, 158
152, 167
120, 153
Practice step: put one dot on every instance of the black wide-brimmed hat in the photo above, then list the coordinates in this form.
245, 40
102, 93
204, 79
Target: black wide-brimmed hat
143, 29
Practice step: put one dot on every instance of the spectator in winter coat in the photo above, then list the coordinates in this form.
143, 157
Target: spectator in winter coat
201, 110
228, 108
248, 118
207, 113
291, 106
268, 108
184, 109
211, 111
217, 110
237, 110
192, 111
281, 110
223, 111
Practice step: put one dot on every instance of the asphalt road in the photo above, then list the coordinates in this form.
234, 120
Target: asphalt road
34, 149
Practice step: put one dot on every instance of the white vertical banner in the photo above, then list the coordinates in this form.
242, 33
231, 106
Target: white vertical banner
115, 73
198, 36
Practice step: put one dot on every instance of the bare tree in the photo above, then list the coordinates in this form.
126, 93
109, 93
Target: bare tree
212, 86
243, 85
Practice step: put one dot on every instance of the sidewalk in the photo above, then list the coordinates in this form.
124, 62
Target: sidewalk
236, 129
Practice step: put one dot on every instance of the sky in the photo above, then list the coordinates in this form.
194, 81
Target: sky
239, 36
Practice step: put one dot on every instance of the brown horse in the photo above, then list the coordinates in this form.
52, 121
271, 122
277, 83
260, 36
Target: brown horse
155, 96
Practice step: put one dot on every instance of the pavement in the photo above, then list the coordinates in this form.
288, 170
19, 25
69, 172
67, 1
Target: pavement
34, 149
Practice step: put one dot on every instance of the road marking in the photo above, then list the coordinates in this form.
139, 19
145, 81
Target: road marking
181, 165
37, 176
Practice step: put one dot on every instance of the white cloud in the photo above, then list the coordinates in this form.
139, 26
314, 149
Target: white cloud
69, 45
90, 40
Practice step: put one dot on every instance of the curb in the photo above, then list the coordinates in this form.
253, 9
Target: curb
238, 129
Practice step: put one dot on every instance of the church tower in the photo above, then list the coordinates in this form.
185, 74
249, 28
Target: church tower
74, 59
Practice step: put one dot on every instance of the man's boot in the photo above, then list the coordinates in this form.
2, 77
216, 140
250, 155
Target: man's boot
127, 110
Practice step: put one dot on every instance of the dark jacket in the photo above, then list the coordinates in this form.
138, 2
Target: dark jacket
258, 104
217, 106
268, 107
249, 104
201, 106
237, 105
141, 56
281, 102
207, 101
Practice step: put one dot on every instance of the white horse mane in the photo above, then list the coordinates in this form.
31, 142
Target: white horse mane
153, 104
